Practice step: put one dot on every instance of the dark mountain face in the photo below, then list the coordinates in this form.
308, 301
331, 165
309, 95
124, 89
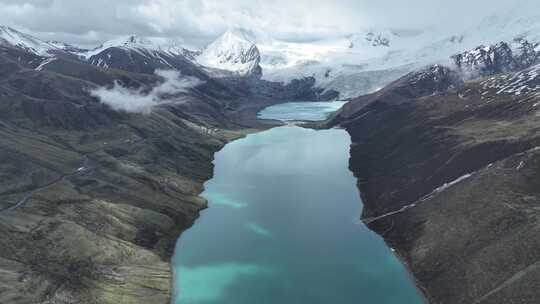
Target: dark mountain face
92, 200
144, 61
87, 193
20, 58
498, 58
428, 81
254, 56
251, 56
449, 173
148, 61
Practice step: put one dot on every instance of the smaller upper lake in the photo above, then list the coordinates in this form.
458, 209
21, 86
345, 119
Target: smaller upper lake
309, 111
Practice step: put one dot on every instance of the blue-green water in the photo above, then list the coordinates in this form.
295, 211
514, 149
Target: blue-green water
310, 111
283, 228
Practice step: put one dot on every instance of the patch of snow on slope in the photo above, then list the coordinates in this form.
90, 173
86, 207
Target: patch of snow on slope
525, 82
44, 63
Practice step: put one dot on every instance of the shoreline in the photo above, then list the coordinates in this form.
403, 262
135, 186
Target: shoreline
422, 292
263, 125
248, 126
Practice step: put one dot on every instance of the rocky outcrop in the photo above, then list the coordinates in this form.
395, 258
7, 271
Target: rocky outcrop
498, 58
450, 180
377, 39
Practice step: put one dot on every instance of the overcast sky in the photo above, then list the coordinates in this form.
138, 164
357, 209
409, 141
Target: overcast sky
88, 22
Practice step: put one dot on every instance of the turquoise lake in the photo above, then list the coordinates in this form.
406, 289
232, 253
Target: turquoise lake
283, 227
309, 111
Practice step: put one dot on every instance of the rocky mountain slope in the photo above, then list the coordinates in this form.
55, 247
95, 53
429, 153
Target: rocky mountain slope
92, 200
141, 55
498, 58
448, 168
12, 37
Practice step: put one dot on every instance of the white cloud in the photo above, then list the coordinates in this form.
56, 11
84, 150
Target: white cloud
199, 21
136, 101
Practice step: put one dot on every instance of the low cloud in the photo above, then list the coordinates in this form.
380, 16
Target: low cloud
199, 21
136, 101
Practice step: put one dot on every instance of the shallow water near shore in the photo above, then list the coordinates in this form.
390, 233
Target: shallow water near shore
282, 227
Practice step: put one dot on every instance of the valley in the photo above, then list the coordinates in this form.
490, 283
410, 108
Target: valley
282, 225
142, 169
94, 199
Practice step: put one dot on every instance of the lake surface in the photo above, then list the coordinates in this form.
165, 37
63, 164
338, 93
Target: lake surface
283, 227
311, 111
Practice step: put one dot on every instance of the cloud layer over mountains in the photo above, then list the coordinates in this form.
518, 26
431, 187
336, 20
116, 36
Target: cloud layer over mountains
200, 21
136, 101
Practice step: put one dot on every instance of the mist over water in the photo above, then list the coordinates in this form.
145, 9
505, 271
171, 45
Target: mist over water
283, 227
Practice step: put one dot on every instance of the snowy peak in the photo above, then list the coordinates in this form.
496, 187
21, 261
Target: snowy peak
241, 34
235, 51
370, 38
142, 44
498, 58
137, 40
12, 37
143, 55
66, 47
377, 39
133, 41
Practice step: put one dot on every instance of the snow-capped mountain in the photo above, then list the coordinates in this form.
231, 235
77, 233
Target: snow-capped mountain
143, 55
358, 63
371, 38
14, 38
353, 64
498, 58
143, 44
363, 62
68, 48
235, 51
514, 67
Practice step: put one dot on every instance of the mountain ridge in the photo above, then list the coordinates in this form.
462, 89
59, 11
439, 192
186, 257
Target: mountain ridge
451, 181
